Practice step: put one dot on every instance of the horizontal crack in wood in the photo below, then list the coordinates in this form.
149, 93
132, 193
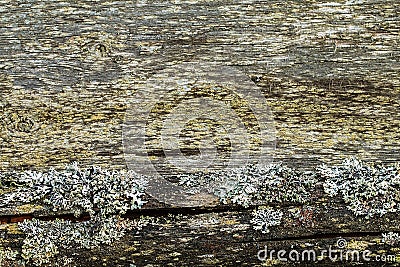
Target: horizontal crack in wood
132, 214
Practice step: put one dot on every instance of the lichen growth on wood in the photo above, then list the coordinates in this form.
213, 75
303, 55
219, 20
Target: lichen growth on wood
265, 217
106, 194
45, 239
80, 190
251, 184
366, 189
8, 256
99, 192
390, 238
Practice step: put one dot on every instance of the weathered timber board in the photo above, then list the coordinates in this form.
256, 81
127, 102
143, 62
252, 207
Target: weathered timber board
227, 239
329, 71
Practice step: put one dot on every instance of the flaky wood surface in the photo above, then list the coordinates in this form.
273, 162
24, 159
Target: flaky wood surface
330, 73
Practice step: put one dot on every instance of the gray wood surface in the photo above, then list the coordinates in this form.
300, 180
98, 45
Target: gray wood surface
329, 71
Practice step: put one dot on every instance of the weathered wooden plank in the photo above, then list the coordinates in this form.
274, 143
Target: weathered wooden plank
329, 73
367, 211
328, 70
228, 238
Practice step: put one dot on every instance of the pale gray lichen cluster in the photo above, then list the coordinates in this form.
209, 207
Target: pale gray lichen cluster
80, 190
264, 218
367, 190
102, 193
45, 239
391, 238
8, 256
105, 195
251, 184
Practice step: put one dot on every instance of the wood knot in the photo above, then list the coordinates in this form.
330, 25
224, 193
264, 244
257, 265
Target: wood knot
95, 48
102, 50
19, 123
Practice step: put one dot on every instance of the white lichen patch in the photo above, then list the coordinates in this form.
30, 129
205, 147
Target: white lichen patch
7, 256
45, 239
102, 193
80, 190
367, 190
252, 183
391, 238
264, 218
105, 195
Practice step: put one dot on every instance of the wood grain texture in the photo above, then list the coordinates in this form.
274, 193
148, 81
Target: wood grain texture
329, 70
226, 238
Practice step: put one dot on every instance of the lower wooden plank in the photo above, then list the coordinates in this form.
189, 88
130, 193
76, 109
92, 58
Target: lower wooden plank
219, 238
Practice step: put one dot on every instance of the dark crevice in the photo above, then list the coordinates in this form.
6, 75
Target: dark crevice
151, 212
131, 214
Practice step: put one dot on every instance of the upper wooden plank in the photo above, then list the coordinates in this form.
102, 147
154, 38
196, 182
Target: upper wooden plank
329, 70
